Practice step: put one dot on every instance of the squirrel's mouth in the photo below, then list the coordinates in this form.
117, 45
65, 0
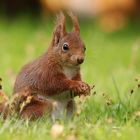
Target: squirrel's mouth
76, 65
72, 64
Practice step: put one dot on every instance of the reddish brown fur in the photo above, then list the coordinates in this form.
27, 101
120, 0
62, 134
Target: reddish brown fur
36, 109
45, 75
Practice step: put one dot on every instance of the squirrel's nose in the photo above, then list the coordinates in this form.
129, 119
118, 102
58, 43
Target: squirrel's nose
80, 60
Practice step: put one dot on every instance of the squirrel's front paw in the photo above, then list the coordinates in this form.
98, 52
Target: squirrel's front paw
81, 88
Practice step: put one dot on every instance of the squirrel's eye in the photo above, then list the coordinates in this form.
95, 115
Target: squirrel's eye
65, 47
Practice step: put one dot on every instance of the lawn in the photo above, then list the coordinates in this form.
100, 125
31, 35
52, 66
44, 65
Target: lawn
111, 112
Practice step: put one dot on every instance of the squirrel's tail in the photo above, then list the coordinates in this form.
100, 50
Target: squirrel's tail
3, 99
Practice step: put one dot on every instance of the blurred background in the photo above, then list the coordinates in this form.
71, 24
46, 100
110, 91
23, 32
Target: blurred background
109, 28
110, 12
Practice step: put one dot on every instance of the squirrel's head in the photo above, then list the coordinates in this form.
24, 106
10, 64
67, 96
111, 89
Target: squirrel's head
68, 47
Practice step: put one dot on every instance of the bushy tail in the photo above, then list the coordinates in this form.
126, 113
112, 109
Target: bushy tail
3, 99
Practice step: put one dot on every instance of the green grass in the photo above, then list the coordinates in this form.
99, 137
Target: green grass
111, 64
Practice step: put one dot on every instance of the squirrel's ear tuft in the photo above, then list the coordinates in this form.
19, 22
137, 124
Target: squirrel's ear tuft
76, 27
60, 29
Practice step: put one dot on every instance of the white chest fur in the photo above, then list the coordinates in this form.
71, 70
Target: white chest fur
69, 72
61, 100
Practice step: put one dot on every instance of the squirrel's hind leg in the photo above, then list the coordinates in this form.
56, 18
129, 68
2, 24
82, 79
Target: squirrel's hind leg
36, 109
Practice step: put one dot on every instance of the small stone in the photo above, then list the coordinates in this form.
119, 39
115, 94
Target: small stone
57, 130
71, 137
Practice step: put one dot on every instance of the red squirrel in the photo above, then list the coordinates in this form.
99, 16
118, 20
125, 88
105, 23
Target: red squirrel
55, 75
